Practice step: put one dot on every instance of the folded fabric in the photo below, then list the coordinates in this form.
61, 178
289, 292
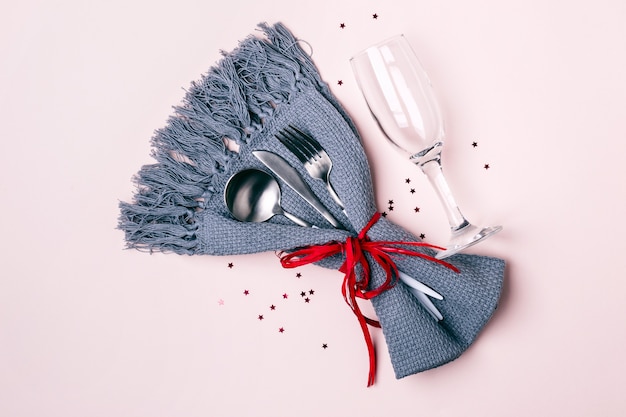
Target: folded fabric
265, 84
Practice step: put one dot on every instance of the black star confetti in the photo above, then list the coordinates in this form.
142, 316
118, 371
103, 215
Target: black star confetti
412, 190
474, 144
416, 209
422, 236
230, 265
281, 330
285, 296
340, 82
342, 25
324, 346
246, 292
306, 300
487, 166
384, 214
408, 180
375, 16
260, 316
298, 275
311, 292
302, 294
272, 307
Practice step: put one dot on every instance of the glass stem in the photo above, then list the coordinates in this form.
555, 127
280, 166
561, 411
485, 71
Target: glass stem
430, 163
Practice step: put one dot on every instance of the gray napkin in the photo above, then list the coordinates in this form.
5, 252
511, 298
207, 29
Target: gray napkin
265, 84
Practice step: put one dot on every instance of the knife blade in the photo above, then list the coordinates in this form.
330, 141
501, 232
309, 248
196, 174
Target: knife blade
283, 170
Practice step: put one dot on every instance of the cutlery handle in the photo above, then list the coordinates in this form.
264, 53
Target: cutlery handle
297, 220
428, 305
415, 284
333, 194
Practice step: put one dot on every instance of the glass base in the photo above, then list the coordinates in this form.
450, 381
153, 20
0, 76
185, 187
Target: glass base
466, 237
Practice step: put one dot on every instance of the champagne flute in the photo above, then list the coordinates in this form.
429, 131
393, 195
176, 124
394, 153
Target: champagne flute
400, 97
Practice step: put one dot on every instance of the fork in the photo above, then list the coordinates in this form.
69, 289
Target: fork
314, 158
318, 164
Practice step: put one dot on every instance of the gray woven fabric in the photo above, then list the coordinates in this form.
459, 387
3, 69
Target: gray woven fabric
254, 91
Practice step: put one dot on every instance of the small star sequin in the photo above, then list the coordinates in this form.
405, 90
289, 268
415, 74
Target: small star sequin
375, 16
416, 209
231, 265
324, 345
487, 166
285, 296
306, 300
474, 144
302, 294
412, 190
407, 181
281, 330
272, 307
311, 292
246, 292
342, 25
384, 214
422, 236
298, 275
340, 82
260, 316
390, 208
390, 202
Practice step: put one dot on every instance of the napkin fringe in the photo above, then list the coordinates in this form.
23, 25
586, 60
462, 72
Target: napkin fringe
231, 102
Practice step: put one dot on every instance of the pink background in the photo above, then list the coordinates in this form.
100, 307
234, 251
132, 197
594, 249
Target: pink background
90, 329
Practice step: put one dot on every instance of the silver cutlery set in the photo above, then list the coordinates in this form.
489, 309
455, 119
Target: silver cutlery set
254, 195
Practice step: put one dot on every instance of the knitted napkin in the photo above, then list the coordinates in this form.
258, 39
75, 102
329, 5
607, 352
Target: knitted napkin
265, 84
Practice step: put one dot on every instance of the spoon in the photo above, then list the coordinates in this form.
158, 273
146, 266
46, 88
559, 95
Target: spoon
253, 195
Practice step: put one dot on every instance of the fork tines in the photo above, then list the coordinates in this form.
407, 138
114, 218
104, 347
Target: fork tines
303, 146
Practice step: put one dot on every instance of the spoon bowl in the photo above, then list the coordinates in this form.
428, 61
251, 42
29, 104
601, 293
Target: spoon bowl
252, 195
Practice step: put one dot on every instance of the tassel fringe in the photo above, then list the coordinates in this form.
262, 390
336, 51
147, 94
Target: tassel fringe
229, 103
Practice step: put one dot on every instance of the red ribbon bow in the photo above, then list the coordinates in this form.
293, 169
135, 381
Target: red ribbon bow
354, 249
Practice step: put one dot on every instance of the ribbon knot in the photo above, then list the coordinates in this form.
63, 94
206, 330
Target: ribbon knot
357, 272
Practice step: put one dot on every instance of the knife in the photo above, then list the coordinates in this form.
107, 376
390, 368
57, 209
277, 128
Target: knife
279, 166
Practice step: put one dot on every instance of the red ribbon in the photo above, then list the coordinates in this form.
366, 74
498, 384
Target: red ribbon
354, 249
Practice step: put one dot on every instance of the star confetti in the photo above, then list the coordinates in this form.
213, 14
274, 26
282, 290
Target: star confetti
298, 275
260, 316
230, 265
311, 292
285, 296
272, 307
306, 300
474, 144
375, 16
412, 190
246, 292
422, 236
487, 166
416, 209
342, 25
281, 330
324, 345
340, 82
302, 294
